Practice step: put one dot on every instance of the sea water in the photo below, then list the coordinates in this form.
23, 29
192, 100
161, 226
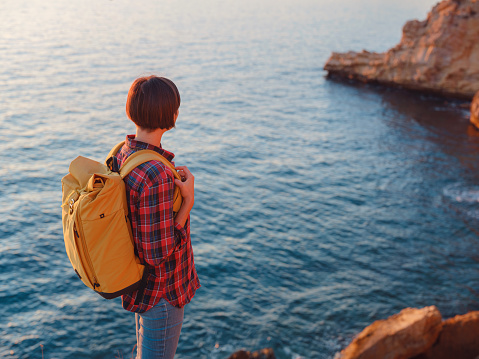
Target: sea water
321, 206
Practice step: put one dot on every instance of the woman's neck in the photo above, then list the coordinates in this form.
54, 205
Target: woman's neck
151, 137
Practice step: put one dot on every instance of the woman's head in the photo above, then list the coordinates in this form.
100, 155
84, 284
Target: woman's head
153, 103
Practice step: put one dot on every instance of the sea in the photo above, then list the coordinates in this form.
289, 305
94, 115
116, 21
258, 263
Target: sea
320, 205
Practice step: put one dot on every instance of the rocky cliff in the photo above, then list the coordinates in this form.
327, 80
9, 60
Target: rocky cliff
439, 54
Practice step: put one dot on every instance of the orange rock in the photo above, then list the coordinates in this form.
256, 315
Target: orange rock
240, 354
459, 339
439, 54
475, 110
266, 353
401, 336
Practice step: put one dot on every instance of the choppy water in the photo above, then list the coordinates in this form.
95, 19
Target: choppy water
320, 206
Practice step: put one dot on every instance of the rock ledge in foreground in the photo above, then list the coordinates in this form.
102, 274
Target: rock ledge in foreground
458, 339
401, 336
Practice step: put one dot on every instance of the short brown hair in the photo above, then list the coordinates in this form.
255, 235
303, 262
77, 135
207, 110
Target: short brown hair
152, 103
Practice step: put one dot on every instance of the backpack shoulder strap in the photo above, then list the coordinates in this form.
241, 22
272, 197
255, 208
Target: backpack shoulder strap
143, 156
114, 151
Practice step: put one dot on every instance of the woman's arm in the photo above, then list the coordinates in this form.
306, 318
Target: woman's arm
158, 235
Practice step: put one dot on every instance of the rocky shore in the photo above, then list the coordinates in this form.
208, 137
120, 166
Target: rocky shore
411, 334
438, 55
417, 334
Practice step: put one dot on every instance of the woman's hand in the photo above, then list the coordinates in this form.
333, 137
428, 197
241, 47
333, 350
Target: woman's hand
187, 184
187, 190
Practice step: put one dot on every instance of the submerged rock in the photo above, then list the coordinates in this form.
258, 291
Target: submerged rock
475, 110
401, 336
266, 353
439, 54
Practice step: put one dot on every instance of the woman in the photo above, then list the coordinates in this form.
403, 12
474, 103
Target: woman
162, 238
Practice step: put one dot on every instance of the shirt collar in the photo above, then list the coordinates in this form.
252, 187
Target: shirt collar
136, 145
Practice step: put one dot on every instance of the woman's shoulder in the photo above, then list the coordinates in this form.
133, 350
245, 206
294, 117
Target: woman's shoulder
153, 173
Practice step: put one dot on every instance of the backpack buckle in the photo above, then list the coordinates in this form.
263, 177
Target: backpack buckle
72, 202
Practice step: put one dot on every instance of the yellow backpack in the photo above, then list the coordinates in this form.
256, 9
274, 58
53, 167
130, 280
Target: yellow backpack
96, 228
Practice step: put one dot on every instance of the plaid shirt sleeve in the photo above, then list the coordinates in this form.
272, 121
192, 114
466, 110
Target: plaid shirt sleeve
159, 234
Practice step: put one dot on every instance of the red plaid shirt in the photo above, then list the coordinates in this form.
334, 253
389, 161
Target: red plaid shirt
161, 243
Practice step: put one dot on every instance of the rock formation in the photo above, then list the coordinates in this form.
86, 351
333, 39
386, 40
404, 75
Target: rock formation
402, 336
475, 110
417, 334
439, 54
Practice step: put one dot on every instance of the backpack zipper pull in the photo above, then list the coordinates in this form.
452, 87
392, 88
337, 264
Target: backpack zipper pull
72, 202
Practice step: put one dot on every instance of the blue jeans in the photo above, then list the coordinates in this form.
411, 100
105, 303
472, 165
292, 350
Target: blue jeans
158, 331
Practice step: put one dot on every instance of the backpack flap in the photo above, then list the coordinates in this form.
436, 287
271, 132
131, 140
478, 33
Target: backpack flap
83, 168
81, 172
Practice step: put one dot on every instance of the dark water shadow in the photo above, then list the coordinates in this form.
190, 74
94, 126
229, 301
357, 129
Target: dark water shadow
451, 165
445, 120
